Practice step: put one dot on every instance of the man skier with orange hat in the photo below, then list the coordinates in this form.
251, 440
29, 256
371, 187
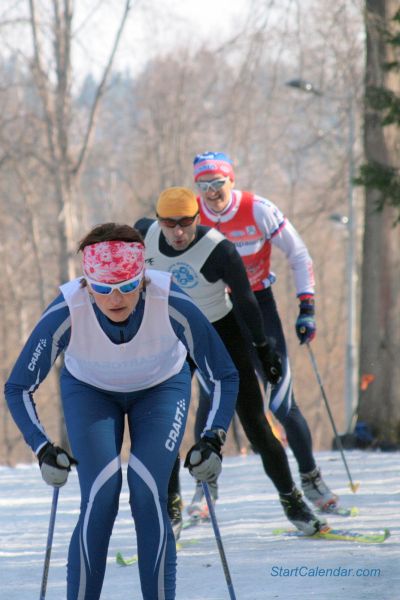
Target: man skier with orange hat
204, 264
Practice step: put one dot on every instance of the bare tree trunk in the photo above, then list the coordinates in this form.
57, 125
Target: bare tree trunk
380, 315
56, 102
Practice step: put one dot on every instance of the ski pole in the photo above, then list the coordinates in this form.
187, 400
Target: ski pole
219, 541
353, 486
49, 544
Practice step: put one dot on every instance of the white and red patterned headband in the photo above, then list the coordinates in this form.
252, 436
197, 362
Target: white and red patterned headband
114, 261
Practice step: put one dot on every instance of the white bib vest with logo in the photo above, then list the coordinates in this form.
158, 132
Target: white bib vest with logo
211, 298
153, 355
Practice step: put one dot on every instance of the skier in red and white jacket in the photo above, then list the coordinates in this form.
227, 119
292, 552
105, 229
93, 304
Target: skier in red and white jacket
255, 225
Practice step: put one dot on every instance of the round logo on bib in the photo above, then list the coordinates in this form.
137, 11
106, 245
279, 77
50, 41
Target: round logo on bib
184, 275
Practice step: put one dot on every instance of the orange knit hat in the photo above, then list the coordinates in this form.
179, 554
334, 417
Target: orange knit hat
177, 202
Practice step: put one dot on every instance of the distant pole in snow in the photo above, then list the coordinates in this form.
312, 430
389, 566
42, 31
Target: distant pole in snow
219, 541
350, 222
49, 543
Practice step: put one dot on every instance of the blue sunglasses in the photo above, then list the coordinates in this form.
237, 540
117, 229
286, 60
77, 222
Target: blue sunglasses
126, 287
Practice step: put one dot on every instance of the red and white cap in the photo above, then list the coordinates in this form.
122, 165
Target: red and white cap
213, 163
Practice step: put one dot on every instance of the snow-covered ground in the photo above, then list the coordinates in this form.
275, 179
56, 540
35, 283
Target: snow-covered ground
262, 565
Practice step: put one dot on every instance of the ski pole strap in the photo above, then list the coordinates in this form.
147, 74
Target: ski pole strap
219, 541
49, 543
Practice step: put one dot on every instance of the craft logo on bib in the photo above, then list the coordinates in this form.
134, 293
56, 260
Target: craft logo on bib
184, 275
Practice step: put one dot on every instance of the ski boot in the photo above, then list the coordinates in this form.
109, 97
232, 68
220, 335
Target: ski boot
299, 513
174, 508
198, 509
317, 492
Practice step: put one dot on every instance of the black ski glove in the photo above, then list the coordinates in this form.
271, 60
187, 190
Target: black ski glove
204, 459
306, 327
270, 361
55, 464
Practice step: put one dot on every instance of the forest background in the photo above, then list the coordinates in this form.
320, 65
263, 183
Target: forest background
103, 107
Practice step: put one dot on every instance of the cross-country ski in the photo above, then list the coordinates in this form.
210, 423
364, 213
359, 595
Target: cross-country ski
342, 535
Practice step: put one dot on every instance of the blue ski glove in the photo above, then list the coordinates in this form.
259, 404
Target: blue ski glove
270, 361
204, 459
305, 324
55, 464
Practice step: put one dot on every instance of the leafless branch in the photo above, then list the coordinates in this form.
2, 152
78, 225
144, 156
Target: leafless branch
100, 90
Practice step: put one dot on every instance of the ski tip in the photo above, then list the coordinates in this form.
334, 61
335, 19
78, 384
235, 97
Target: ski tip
125, 562
279, 531
370, 537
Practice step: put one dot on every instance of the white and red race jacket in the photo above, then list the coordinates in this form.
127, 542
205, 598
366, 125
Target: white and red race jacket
254, 224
